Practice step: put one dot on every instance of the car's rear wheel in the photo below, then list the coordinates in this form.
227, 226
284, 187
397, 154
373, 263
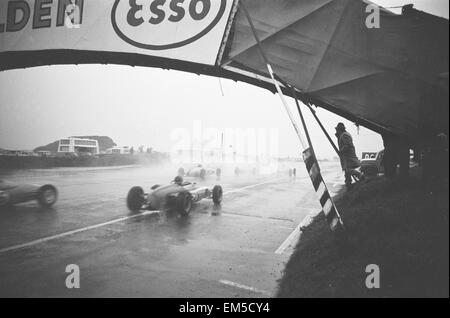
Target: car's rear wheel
217, 195
135, 199
184, 204
47, 196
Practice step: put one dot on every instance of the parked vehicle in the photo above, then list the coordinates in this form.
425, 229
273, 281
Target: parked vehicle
372, 163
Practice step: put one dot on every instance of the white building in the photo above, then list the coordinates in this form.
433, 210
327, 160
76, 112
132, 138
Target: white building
118, 151
44, 153
78, 145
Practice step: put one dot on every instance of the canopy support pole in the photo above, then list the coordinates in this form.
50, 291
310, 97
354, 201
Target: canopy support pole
294, 95
324, 130
312, 165
302, 118
313, 112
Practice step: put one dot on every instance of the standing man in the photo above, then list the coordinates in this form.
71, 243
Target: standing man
347, 153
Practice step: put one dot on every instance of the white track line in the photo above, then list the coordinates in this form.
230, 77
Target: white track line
62, 235
92, 227
287, 242
297, 231
248, 288
253, 186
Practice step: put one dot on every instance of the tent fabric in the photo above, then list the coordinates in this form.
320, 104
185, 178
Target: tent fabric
382, 76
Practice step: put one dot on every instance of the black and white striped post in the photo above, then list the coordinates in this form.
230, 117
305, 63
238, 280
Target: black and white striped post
312, 165
328, 207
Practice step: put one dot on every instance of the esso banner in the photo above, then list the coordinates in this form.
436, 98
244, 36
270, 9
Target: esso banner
189, 30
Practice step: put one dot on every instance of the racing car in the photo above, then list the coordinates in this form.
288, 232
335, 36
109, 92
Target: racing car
178, 195
13, 193
199, 172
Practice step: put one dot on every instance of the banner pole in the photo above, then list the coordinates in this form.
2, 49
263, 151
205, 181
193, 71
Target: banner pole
286, 106
308, 137
313, 113
324, 130
312, 165
305, 128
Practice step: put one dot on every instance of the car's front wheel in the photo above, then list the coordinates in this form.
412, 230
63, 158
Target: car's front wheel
184, 204
47, 196
135, 199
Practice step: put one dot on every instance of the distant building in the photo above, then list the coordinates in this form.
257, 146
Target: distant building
44, 153
118, 151
19, 153
79, 146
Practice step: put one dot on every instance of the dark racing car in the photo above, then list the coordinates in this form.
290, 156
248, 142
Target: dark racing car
178, 196
13, 193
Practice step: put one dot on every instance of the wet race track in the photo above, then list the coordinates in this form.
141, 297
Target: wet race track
238, 250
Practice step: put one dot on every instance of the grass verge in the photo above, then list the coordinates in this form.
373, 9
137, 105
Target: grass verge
401, 228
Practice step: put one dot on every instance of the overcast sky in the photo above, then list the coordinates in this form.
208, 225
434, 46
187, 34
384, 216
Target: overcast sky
142, 106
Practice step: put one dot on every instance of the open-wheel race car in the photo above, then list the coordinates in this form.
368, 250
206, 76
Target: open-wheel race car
200, 172
13, 193
178, 195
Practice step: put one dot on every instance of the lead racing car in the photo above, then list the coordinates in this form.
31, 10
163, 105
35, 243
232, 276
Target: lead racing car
178, 195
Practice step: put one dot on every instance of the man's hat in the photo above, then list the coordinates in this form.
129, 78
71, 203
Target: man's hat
340, 126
